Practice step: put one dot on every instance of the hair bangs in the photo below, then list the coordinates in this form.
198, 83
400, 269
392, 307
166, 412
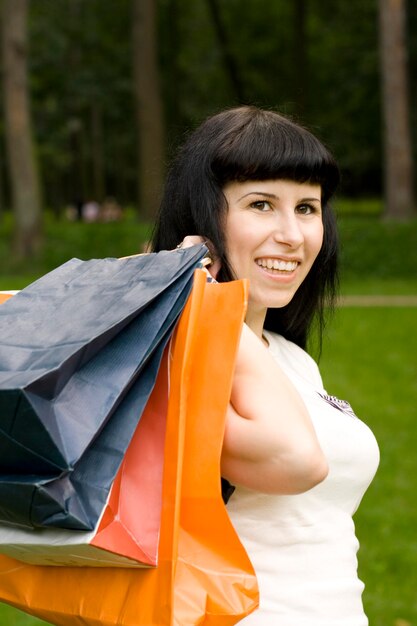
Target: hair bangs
269, 146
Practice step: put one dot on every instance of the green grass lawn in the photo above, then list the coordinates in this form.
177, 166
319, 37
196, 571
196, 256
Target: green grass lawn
12, 617
370, 358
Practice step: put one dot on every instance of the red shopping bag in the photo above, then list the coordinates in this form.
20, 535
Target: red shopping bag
130, 525
203, 575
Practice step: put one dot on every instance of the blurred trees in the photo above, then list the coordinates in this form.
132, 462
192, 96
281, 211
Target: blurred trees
18, 129
83, 100
228, 57
97, 67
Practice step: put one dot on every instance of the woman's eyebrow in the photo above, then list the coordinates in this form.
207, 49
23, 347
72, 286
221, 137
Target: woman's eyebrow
259, 193
310, 200
272, 195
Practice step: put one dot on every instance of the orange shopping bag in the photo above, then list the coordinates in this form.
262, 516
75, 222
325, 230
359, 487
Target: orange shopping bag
5, 295
203, 575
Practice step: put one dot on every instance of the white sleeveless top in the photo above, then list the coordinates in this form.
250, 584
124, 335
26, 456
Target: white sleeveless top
303, 547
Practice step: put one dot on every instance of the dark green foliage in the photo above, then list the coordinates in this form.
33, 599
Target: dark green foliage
81, 68
319, 65
372, 249
65, 240
337, 93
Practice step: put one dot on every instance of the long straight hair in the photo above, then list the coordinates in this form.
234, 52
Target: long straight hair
237, 145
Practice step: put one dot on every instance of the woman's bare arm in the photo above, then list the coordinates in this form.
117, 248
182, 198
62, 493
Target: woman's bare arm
270, 444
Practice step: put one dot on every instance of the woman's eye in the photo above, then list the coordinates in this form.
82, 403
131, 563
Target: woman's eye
261, 205
306, 209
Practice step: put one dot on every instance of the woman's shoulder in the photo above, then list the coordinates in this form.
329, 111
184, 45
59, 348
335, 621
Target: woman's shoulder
289, 355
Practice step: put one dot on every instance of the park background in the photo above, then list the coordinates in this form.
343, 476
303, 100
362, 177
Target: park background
98, 93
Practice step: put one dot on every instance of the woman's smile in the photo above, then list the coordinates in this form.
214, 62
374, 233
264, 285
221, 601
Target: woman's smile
277, 266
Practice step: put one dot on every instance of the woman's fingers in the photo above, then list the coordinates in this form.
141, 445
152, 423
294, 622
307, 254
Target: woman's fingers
191, 240
213, 266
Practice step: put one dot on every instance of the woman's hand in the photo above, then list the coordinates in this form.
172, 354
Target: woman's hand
192, 240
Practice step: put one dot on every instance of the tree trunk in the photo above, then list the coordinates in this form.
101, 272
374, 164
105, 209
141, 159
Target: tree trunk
150, 124
2, 194
20, 149
399, 201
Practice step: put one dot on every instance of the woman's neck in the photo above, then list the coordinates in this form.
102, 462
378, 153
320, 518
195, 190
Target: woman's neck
255, 320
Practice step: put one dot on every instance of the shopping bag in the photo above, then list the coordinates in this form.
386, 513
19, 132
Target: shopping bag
76, 498
203, 575
56, 325
127, 534
55, 426
5, 295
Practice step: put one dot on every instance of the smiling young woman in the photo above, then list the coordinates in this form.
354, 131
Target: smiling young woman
256, 187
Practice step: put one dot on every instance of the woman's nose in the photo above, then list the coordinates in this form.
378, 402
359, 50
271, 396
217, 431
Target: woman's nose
287, 230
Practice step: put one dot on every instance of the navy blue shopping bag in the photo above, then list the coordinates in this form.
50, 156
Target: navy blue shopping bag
79, 354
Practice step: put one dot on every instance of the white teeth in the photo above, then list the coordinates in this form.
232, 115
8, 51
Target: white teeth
278, 264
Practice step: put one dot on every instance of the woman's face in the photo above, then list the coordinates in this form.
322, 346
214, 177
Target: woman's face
274, 232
